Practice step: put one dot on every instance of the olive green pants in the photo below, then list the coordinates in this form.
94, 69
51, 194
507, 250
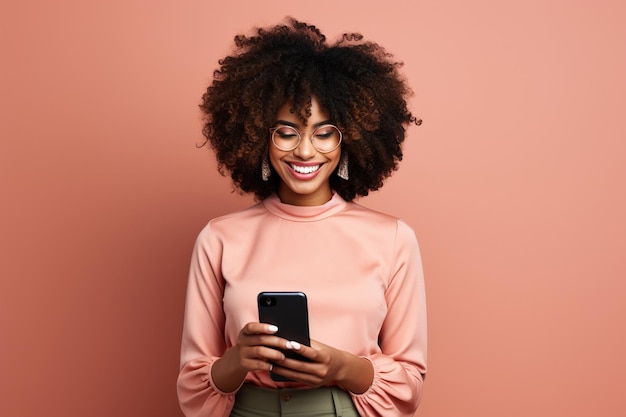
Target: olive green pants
321, 402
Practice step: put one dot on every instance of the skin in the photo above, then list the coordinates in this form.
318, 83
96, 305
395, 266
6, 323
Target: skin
299, 190
257, 345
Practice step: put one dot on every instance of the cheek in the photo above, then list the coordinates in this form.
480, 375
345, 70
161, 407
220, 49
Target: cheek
274, 157
334, 158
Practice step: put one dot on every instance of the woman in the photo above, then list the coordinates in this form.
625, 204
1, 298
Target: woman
306, 127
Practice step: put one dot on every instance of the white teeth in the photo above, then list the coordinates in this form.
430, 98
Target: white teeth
305, 170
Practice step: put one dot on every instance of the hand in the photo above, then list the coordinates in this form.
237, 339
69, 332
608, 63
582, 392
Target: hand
328, 366
326, 363
256, 347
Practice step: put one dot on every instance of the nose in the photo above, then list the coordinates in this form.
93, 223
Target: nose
305, 149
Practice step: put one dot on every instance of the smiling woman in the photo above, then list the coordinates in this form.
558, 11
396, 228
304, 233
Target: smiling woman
305, 126
278, 72
305, 166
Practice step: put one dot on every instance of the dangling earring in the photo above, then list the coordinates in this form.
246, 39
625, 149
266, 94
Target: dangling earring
342, 172
265, 169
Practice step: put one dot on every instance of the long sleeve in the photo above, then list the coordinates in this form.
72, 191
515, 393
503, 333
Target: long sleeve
203, 339
400, 367
361, 271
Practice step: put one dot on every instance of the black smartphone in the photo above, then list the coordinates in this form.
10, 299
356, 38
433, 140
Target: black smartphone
288, 311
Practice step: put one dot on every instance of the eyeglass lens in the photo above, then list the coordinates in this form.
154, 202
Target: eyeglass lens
325, 138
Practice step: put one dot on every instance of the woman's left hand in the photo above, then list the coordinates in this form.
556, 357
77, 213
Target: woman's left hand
328, 366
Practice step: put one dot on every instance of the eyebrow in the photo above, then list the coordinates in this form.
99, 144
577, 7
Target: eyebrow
296, 125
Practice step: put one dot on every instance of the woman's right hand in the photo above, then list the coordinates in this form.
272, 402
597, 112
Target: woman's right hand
256, 348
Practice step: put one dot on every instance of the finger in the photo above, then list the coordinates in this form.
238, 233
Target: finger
273, 342
303, 350
263, 340
261, 353
295, 375
259, 328
268, 340
257, 365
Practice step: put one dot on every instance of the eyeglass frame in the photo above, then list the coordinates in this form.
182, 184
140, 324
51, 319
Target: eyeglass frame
275, 128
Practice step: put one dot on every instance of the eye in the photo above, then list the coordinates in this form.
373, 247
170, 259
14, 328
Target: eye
286, 133
326, 132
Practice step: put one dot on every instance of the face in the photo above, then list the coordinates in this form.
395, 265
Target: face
304, 172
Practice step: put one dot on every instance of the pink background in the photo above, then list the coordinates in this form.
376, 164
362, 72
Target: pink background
514, 185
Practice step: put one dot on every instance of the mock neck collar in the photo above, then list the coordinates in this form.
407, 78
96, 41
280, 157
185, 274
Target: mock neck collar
304, 213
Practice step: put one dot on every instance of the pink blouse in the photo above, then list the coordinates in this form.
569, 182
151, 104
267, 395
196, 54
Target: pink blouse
362, 274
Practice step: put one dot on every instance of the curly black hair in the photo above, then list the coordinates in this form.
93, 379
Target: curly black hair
357, 82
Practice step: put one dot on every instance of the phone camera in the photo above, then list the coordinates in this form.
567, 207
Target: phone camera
268, 301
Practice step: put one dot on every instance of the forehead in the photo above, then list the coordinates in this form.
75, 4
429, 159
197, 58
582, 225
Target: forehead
318, 113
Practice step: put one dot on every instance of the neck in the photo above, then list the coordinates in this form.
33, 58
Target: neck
287, 196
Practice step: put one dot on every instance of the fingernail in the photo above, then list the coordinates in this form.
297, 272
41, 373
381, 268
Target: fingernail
294, 345
272, 328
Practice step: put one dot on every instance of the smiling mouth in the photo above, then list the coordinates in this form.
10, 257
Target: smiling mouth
304, 169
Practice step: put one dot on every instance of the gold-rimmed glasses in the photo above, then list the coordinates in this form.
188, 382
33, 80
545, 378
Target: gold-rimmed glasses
325, 138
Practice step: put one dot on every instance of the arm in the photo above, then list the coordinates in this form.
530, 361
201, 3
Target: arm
211, 372
203, 340
399, 368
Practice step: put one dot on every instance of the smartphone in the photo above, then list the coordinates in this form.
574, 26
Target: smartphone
288, 311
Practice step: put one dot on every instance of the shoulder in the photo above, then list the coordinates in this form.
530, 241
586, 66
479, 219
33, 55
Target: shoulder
366, 213
232, 223
401, 230
381, 222
357, 209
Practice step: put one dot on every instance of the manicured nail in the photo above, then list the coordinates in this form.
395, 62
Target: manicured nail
293, 345
272, 328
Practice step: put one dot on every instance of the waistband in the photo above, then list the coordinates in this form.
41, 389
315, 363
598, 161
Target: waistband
330, 400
